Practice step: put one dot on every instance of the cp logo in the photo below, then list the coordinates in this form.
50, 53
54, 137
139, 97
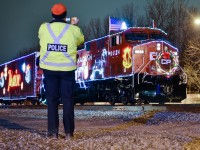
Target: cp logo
165, 61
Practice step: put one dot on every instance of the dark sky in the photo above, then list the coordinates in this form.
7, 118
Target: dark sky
20, 19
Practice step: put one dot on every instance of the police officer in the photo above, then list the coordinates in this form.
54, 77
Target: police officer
58, 50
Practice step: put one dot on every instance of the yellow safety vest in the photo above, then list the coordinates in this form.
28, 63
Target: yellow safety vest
58, 46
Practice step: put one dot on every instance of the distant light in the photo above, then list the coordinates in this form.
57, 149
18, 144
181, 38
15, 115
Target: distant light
124, 26
197, 21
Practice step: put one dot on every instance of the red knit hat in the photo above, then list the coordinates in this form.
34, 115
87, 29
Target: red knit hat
58, 9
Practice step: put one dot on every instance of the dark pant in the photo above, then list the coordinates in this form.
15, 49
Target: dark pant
59, 85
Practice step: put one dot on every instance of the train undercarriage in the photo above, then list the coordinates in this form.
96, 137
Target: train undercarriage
144, 89
148, 89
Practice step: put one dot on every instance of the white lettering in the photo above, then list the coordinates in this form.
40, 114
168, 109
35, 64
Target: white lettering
57, 47
153, 55
165, 61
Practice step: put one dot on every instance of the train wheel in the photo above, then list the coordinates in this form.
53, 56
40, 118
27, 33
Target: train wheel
139, 101
111, 99
38, 103
161, 102
33, 102
82, 103
124, 100
146, 102
7, 103
132, 101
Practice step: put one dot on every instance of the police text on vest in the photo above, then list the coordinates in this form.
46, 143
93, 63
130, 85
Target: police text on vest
57, 47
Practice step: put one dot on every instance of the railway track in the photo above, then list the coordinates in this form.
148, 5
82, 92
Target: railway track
150, 107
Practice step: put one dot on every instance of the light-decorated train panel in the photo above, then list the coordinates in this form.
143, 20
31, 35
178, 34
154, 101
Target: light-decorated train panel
18, 78
155, 58
138, 63
103, 62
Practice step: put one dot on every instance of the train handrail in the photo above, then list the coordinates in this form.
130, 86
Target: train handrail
141, 70
133, 83
140, 65
184, 74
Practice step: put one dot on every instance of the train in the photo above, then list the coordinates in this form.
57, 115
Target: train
134, 66
20, 80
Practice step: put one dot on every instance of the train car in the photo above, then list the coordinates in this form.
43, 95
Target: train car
137, 65
20, 80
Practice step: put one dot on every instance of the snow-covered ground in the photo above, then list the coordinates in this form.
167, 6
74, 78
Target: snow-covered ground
102, 130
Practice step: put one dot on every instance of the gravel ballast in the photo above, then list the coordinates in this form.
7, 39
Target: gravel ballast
102, 130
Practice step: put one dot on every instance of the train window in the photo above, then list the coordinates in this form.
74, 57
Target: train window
157, 37
116, 40
88, 46
113, 41
136, 36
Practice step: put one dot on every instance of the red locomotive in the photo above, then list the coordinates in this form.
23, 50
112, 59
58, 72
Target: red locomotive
135, 65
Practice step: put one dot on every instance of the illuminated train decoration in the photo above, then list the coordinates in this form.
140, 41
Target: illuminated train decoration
136, 65
20, 80
14, 80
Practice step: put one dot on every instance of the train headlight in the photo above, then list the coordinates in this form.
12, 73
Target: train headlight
158, 69
158, 47
4, 91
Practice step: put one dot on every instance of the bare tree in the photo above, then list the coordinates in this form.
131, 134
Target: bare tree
192, 64
26, 51
158, 10
174, 17
94, 29
141, 21
179, 25
87, 32
97, 28
105, 27
128, 12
